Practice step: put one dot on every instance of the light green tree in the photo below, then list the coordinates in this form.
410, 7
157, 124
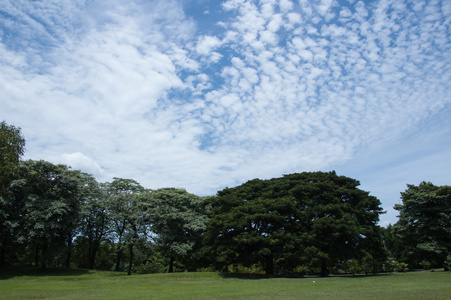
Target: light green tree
49, 206
177, 219
124, 211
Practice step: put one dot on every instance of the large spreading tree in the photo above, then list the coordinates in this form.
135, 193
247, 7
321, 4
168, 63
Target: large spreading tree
317, 218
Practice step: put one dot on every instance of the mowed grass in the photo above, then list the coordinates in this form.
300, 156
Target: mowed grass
84, 284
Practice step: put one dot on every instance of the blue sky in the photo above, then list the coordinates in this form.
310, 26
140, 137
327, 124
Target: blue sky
206, 94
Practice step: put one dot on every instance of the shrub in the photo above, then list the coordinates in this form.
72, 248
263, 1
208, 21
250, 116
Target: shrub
393, 265
401, 267
448, 263
353, 266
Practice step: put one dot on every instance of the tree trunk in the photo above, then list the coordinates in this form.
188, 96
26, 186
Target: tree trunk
89, 254
130, 262
69, 251
324, 271
36, 256
171, 264
44, 257
2, 257
118, 260
92, 256
269, 264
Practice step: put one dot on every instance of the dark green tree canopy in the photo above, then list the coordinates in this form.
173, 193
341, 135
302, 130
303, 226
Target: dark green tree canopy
424, 223
12, 147
297, 218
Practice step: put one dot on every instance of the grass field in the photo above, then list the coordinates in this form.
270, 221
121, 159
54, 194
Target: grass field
84, 284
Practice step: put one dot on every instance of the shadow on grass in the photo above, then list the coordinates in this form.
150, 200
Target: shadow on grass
264, 276
255, 276
243, 276
358, 276
36, 272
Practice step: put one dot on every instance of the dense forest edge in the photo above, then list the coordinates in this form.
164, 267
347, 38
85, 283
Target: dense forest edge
297, 224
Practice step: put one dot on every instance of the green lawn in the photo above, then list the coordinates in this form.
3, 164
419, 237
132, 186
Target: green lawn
83, 284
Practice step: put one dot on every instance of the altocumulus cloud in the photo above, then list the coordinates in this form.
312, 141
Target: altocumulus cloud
169, 95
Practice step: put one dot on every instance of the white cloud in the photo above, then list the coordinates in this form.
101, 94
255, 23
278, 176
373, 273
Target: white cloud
138, 90
285, 5
79, 161
206, 44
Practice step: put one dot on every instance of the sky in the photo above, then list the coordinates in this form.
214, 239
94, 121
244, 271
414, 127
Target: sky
203, 95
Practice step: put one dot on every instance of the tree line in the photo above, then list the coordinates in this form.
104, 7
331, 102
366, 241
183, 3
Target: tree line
311, 222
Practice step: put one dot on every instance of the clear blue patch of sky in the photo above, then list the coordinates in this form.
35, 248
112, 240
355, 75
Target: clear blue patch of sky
207, 14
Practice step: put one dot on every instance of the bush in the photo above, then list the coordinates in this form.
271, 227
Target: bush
240, 269
447, 263
300, 270
353, 266
401, 267
393, 265
425, 264
152, 266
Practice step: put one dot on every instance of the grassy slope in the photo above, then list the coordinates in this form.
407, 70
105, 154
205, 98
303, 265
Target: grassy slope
82, 284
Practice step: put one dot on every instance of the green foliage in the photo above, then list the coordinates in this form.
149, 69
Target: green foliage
94, 223
155, 264
12, 147
353, 266
391, 265
48, 206
240, 269
401, 267
178, 219
424, 225
123, 210
309, 217
448, 263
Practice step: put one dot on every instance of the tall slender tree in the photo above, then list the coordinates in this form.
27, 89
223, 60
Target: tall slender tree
12, 147
94, 223
122, 207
